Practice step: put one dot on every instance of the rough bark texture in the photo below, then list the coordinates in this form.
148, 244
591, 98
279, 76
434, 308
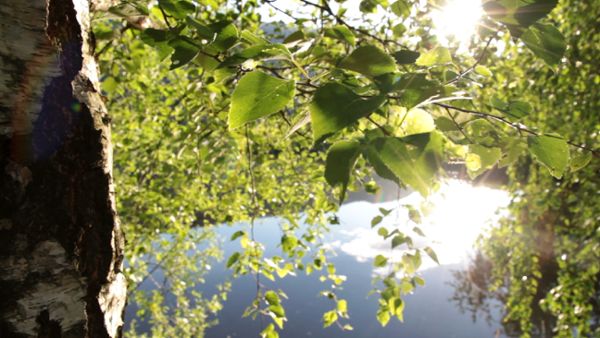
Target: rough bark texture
60, 241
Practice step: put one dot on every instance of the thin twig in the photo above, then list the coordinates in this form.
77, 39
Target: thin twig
458, 125
516, 126
326, 8
477, 61
162, 11
385, 132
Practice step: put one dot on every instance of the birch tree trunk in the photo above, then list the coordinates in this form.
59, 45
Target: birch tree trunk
60, 241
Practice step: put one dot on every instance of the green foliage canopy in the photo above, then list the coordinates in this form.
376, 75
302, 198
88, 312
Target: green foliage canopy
213, 108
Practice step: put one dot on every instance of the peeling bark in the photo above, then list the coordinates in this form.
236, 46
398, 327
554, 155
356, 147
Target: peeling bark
60, 240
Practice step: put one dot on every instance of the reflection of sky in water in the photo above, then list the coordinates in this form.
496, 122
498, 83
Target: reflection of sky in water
458, 215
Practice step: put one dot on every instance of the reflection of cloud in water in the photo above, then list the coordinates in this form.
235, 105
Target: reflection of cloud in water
460, 213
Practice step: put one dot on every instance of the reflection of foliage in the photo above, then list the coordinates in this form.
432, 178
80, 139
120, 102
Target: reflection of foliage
545, 258
477, 291
471, 292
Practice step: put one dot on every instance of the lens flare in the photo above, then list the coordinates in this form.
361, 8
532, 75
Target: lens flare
457, 21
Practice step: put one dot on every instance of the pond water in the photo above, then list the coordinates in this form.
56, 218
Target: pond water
458, 215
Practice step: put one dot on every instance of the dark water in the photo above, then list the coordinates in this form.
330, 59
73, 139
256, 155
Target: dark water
428, 313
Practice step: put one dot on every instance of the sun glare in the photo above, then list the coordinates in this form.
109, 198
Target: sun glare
459, 213
457, 20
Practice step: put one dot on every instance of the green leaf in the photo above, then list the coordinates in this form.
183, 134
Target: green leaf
272, 298
417, 121
481, 158
335, 106
226, 35
513, 149
436, 56
269, 332
368, 6
341, 33
278, 311
519, 109
370, 61
153, 36
380, 261
431, 254
342, 306
340, 161
483, 71
289, 243
546, 42
580, 159
481, 131
177, 8
418, 231
203, 31
399, 30
398, 240
416, 169
383, 232
184, 52
415, 88
384, 211
295, 36
126, 9
383, 317
551, 151
237, 235
406, 57
329, 318
419, 281
414, 214
497, 103
376, 220
109, 84
233, 259
258, 95
517, 15
445, 124
401, 8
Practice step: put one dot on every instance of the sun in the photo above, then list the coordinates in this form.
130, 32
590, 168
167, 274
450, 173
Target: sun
457, 21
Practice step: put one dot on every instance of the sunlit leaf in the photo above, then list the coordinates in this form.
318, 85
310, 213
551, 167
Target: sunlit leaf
551, 151
483, 71
380, 261
342, 33
431, 254
545, 41
414, 169
370, 61
233, 259
272, 297
329, 318
436, 56
481, 158
398, 240
258, 95
335, 106
376, 220
401, 8
340, 161
580, 160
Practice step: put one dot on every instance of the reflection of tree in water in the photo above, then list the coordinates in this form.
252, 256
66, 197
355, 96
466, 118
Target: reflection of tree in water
478, 292
473, 294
